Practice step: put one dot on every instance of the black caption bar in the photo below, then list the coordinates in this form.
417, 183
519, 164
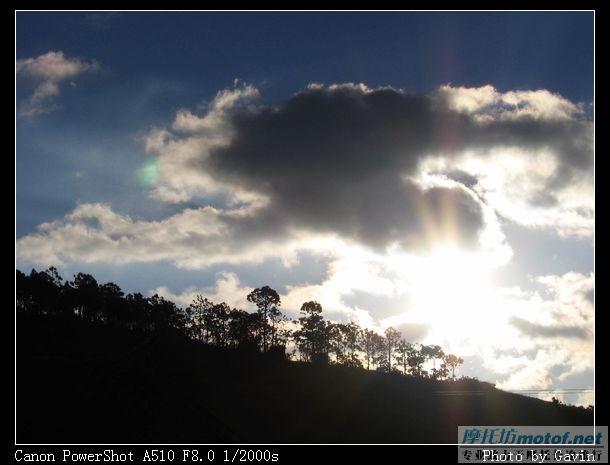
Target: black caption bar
222, 454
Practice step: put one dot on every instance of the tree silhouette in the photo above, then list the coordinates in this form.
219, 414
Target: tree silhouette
403, 349
86, 298
114, 356
441, 372
344, 343
266, 300
278, 332
335, 340
416, 360
200, 315
434, 353
112, 302
244, 329
45, 293
311, 337
392, 339
453, 361
40, 292
379, 351
351, 332
368, 345
164, 313
209, 322
220, 324
23, 295
138, 312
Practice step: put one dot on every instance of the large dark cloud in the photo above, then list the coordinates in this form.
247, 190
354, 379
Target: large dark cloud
338, 160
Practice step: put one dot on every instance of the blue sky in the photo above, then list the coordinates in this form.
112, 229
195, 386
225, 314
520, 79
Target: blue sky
101, 96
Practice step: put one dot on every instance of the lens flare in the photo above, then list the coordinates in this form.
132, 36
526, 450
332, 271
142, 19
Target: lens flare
149, 172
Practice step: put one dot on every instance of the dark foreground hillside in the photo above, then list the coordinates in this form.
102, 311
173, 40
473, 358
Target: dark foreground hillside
84, 383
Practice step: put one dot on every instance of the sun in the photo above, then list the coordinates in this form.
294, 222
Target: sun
453, 290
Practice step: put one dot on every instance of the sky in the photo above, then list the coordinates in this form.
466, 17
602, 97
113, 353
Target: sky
427, 171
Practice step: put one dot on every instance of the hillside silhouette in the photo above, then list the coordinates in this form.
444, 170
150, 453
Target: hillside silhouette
85, 379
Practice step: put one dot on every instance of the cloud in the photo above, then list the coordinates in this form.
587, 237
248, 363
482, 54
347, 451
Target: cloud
329, 293
47, 71
543, 181
487, 104
350, 160
537, 330
227, 288
337, 160
413, 332
202, 237
555, 333
193, 238
345, 164
330, 170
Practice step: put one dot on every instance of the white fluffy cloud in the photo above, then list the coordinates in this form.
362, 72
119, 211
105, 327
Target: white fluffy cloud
227, 288
557, 340
193, 238
534, 186
47, 71
488, 104
514, 182
192, 138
